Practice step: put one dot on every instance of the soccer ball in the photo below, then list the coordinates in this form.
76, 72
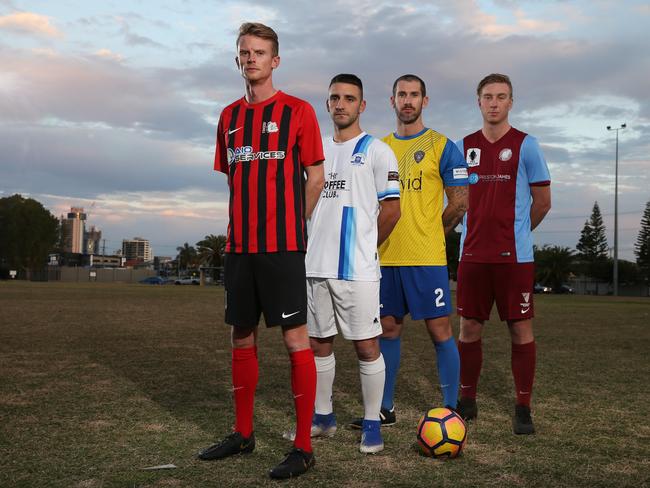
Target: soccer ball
441, 433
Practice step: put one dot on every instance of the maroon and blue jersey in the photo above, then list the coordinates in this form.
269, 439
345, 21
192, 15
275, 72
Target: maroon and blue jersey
496, 227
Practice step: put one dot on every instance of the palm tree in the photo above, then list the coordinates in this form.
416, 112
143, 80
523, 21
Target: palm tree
186, 256
211, 250
553, 264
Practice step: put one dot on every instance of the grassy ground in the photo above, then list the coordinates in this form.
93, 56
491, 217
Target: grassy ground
100, 380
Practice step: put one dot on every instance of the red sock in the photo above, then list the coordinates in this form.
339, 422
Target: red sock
303, 385
471, 360
523, 371
244, 381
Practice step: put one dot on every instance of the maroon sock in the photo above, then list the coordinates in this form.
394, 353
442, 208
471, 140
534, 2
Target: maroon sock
471, 360
303, 385
244, 381
523, 371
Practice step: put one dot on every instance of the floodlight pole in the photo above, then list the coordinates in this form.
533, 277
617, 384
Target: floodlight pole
609, 127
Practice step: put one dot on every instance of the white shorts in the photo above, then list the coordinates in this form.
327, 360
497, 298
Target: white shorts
352, 305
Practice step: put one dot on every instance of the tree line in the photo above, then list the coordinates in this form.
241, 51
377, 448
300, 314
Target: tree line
554, 264
208, 251
29, 233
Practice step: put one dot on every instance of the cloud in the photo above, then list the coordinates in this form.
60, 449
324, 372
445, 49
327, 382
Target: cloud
83, 162
108, 54
191, 214
95, 90
113, 121
29, 23
133, 39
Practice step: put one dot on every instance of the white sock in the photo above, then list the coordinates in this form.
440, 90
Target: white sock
325, 369
373, 376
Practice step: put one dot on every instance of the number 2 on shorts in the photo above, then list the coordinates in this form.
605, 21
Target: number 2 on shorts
439, 294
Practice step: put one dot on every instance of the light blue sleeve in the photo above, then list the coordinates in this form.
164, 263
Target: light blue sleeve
385, 171
532, 157
460, 144
453, 167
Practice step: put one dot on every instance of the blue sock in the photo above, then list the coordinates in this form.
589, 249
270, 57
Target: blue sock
391, 350
448, 370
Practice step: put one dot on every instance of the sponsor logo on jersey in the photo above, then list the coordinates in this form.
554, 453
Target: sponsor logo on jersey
269, 127
412, 183
246, 153
473, 178
393, 176
473, 157
495, 178
418, 156
460, 173
358, 159
505, 154
333, 185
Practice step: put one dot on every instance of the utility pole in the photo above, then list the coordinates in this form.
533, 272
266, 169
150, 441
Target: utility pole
609, 127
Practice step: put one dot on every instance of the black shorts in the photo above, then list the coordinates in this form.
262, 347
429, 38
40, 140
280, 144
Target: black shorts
269, 283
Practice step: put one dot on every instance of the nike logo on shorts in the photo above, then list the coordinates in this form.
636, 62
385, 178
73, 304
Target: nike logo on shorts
287, 315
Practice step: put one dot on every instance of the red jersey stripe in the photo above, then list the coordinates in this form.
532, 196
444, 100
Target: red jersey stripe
264, 148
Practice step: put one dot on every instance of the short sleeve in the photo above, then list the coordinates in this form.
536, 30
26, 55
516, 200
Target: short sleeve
460, 144
221, 151
310, 143
535, 163
386, 171
453, 168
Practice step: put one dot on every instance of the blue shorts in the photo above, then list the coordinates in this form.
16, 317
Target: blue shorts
422, 291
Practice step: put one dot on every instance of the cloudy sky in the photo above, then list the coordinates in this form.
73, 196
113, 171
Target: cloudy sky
112, 105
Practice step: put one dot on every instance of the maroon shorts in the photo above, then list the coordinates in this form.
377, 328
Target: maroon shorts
509, 284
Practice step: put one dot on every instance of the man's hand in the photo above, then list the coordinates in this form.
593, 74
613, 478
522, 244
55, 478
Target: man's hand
457, 200
313, 187
389, 214
541, 204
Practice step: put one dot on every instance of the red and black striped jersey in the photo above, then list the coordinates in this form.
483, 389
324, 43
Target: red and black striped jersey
263, 148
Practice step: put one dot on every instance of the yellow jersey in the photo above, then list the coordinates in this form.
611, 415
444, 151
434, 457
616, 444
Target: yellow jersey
428, 162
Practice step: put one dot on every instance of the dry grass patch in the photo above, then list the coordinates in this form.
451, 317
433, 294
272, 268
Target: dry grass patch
147, 382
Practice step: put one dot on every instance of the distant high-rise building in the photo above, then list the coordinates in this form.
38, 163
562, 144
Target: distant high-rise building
92, 241
138, 249
72, 231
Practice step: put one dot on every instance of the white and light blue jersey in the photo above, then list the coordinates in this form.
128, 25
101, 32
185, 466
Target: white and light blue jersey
342, 231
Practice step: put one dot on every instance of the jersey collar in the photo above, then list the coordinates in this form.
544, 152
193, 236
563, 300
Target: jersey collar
406, 138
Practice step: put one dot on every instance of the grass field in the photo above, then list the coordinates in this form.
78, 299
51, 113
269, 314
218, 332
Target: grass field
100, 380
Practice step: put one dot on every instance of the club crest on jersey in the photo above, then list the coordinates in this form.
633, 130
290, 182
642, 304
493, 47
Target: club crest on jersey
358, 159
473, 157
269, 127
418, 156
505, 154
525, 305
